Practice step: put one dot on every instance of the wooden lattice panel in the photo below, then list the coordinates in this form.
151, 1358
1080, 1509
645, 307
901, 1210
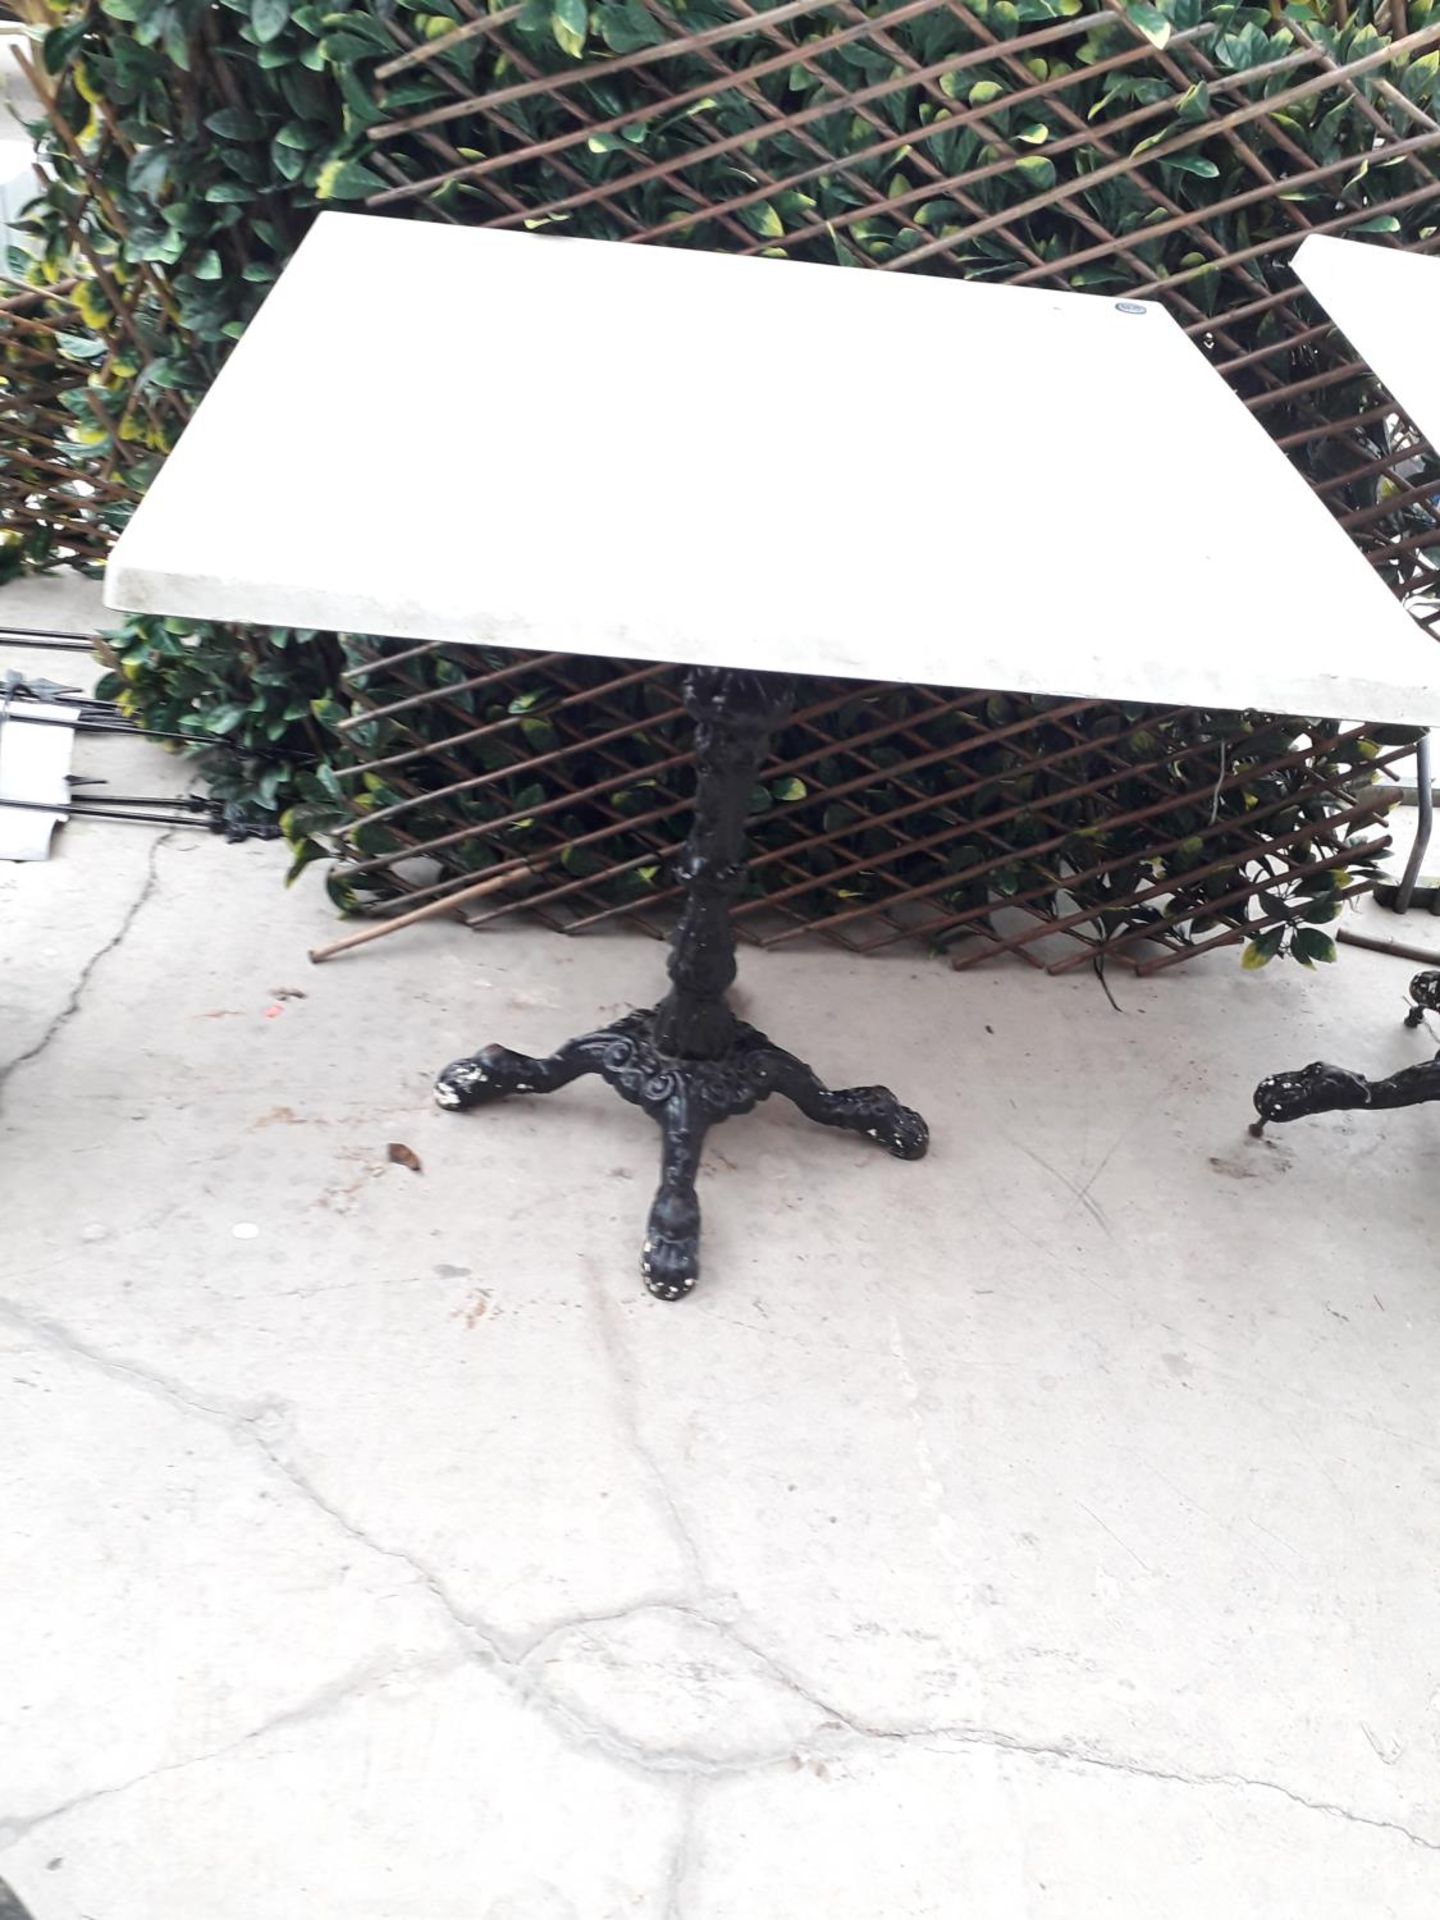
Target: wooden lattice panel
973, 822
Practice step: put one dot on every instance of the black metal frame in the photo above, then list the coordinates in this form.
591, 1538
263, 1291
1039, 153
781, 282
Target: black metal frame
689, 1062
1322, 1088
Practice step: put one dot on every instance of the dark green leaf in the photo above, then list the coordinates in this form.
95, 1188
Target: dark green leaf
269, 19
343, 179
1037, 172
236, 123
356, 20
569, 22
1151, 22
60, 46
149, 169
362, 109
1262, 950
1192, 163
762, 219
1311, 945
627, 28
344, 49
80, 346
1194, 106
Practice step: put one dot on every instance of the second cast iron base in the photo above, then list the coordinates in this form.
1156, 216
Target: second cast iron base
686, 1098
1321, 1088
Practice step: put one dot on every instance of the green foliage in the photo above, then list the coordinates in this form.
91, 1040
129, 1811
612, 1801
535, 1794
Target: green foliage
192, 140
837, 164
190, 145
258, 704
208, 134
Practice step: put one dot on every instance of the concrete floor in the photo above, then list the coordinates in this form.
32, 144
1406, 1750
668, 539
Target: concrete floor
1047, 1529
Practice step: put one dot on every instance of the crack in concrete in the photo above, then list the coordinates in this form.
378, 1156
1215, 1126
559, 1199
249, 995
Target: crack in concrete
1234, 1782
326, 1700
516, 1663
682, 1860
656, 1760
77, 993
615, 1617
242, 1421
479, 1639
699, 1767
53, 1334
628, 1411
824, 1709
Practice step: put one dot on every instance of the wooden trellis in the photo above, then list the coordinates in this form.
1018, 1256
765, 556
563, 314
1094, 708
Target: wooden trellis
934, 138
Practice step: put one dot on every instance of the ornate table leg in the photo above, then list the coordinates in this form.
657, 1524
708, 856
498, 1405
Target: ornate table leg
1321, 1088
690, 1063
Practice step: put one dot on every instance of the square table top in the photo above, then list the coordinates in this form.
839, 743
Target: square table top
1387, 304
522, 440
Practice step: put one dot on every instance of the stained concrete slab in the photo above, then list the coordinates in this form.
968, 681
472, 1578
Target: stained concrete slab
1043, 1529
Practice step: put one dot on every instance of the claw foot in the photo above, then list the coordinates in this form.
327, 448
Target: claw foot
485, 1076
1318, 1088
1425, 992
903, 1133
670, 1258
900, 1130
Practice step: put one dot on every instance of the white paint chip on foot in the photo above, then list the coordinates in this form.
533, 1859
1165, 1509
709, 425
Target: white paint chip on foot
245, 1230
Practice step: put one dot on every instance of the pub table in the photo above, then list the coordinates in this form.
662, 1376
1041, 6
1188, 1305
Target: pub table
1387, 304
752, 469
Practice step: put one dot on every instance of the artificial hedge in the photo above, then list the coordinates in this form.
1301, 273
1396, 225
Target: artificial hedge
196, 140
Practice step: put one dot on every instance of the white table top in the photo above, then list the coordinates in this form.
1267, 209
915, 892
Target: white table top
1387, 304
457, 434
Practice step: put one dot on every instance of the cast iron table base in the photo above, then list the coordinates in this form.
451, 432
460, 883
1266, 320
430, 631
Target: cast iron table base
1321, 1088
689, 1062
